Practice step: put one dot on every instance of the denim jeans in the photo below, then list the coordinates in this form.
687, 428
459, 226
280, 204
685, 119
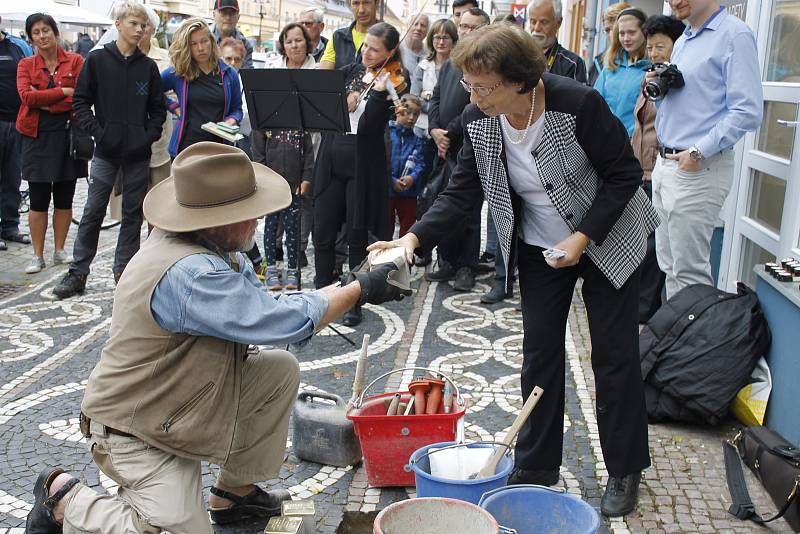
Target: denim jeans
134, 187
10, 178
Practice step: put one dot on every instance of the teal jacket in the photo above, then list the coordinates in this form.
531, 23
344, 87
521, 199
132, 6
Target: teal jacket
621, 88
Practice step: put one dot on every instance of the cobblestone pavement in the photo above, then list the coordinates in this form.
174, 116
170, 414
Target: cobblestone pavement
48, 347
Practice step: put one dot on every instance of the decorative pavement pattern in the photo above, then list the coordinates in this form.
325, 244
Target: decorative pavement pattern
48, 348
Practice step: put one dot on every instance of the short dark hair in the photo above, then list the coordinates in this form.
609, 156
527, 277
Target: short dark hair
462, 3
478, 12
505, 49
40, 17
669, 26
286, 29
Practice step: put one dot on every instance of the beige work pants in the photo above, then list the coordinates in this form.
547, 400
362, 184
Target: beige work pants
162, 492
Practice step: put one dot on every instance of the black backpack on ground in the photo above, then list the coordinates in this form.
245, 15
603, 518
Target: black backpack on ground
699, 350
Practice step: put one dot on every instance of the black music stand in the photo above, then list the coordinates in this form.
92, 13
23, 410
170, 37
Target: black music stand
308, 100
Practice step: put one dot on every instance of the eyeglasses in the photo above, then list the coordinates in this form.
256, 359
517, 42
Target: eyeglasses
468, 27
442, 38
479, 89
308, 23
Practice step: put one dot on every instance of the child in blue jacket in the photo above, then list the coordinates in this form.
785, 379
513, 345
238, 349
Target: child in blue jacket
407, 163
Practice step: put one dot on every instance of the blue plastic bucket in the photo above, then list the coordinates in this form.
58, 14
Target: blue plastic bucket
464, 490
538, 509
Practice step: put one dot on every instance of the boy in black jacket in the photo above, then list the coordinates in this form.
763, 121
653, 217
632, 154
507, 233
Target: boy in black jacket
124, 86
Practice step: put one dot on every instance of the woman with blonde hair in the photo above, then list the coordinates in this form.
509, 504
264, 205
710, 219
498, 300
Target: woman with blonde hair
609, 18
208, 89
625, 64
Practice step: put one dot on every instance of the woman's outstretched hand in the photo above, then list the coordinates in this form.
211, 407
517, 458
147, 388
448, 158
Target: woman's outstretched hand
409, 242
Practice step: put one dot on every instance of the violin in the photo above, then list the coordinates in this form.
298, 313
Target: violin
394, 75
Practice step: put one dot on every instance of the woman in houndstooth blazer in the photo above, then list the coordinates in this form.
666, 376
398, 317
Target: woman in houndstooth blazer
558, 172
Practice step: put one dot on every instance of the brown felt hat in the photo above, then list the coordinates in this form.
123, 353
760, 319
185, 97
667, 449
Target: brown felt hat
213, 185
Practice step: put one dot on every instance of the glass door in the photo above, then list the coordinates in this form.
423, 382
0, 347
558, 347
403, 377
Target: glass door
766, 222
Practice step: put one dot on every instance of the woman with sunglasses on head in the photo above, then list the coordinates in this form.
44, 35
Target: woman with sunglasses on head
207, 88
562, 183
351, 173
46, 83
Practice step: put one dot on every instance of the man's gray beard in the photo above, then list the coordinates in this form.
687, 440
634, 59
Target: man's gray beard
543, 41
247, 245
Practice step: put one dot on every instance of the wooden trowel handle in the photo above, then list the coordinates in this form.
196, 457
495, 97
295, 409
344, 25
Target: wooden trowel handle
527, 408
361, 369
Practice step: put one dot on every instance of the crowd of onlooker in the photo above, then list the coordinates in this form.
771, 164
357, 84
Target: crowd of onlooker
349, 189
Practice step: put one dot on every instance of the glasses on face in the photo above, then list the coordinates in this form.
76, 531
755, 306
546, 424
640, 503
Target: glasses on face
442, 38
479, 90
468, 27
308, 23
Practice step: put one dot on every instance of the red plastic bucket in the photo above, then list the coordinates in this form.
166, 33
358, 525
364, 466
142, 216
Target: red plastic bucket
388, 441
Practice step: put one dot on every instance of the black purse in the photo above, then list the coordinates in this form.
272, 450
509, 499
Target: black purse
81, 144
775, 462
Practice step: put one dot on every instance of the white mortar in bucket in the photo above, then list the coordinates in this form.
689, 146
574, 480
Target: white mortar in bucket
434, 515
458, 463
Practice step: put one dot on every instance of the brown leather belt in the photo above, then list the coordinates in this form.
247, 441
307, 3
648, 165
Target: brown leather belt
85, 422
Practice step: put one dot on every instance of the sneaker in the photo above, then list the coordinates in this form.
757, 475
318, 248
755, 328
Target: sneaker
497, 294
443, 274
272, 280
486, 262
621, 495
36, 265
465, 279
71, 285
540, 477
292, 282
60, 257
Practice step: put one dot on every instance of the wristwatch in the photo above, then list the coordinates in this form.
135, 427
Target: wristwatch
695, 154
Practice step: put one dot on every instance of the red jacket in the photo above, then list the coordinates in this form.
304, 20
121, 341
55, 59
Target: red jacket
32, 71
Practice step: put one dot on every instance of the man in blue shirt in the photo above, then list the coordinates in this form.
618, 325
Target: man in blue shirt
12, 50
697, 127
181, 378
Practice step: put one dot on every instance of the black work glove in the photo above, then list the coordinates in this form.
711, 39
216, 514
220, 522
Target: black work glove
375, 287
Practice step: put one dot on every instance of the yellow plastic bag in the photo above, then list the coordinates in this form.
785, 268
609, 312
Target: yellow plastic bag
750, 403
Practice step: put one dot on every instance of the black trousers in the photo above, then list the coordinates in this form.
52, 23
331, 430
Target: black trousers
333, 206
462, 247
621, 413
651, 278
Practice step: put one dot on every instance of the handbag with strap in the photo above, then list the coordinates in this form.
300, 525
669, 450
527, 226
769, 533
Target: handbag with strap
775, 462
81, 144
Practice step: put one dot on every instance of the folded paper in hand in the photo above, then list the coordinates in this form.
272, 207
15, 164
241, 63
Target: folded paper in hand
213, 128
401, 278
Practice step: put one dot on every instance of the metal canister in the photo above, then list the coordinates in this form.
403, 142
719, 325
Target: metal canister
303, 509
322, 433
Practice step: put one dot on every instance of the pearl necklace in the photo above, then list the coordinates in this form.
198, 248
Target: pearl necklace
527, 127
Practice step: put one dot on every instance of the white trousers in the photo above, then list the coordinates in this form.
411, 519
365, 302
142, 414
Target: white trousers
689, 204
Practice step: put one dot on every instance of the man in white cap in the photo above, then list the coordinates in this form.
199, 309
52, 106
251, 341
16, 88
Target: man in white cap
181, 378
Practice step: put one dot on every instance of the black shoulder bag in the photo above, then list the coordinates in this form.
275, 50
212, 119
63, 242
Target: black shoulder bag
775, 462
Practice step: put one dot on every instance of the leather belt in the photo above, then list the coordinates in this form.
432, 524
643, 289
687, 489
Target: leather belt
664, 150
85, 424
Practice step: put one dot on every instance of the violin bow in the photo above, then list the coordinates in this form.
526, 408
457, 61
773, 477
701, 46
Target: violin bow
391, 54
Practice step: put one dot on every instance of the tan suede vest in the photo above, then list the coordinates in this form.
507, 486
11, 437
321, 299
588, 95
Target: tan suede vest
177, 392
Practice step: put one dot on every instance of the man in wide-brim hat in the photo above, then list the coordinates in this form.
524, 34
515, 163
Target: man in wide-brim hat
176, 383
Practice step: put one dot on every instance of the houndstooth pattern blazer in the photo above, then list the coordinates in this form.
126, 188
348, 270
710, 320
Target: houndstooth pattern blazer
586, 165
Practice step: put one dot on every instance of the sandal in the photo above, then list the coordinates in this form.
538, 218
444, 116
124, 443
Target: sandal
257, 504
40, 519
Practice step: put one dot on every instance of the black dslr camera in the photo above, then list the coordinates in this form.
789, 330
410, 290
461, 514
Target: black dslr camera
667, 77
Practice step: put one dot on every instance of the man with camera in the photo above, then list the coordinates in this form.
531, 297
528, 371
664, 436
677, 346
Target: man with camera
707, 102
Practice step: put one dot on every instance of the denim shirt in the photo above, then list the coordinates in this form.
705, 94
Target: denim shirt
201, 295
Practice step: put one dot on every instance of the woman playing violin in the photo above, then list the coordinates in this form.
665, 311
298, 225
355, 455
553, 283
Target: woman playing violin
350, 174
